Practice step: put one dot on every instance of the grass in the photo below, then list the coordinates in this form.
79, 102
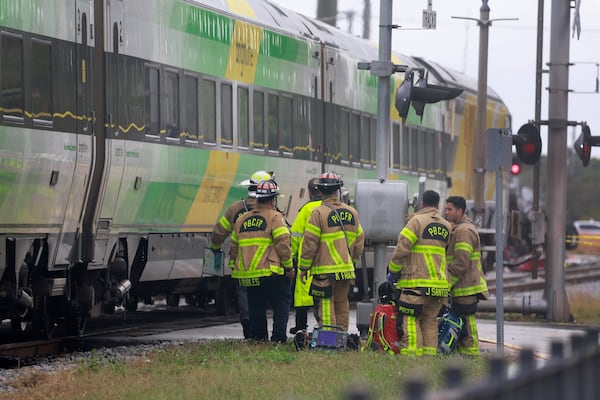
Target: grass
235, 369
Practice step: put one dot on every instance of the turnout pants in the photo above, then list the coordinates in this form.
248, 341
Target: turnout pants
469, 340
420, 332
336, 309
273, 290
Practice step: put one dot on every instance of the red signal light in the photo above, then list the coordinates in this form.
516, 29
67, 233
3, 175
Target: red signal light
515, 169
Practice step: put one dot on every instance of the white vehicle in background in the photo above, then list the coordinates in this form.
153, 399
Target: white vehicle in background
584, 236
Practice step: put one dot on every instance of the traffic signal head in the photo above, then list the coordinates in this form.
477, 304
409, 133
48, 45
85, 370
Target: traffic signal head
420, 94
515, 168
528, 143
583, 145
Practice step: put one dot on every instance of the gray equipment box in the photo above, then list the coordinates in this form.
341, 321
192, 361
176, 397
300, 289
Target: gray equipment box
382, 208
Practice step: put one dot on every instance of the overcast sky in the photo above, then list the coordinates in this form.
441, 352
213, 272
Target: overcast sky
512, 48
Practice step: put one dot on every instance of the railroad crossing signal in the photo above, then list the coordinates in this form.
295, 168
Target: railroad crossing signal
583, 144
515, 168
421, 93
528, 143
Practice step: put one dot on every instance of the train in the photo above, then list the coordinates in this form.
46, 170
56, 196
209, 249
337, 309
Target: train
126, 126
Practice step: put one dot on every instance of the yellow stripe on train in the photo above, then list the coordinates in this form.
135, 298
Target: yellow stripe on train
214, 187
243, 53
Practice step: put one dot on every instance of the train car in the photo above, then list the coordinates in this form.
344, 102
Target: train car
126, 126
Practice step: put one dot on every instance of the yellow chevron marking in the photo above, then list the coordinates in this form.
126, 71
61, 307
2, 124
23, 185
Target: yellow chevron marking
241, 7
243, 54
213, 190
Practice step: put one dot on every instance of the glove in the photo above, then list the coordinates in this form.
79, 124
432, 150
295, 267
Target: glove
217, 250
303, 275
394, 277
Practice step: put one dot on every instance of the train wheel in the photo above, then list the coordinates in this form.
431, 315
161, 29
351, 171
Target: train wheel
172, 300
148, 300
131, 303
22, 323
191, 300
44, 319
76, 323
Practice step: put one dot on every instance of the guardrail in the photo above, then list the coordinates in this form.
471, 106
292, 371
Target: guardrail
573, 374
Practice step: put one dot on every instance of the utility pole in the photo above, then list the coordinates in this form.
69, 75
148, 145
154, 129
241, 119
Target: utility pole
327, 11
558, 102
367, 20
484, 23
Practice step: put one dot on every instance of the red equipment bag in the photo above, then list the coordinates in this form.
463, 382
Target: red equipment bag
383, 332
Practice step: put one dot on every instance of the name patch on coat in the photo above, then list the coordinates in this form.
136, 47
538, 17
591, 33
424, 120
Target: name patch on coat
436, 231
346, 217
252, 224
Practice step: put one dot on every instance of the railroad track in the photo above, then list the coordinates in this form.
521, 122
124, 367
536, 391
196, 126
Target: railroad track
522, 282
149, 321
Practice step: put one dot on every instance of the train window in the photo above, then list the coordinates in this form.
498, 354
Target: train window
258, 105
41, 82
273, 121
243, 117
190, 116
373, 140
64, 94
405, 148
11, 67
438, 154
226, 114
430, 152
341, 130
396, 145
421, 150
302, 133
365, 140
355, 138
152, 101
286, 121
209, 112
172, 105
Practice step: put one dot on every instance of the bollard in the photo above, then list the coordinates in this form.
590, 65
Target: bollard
454, 376
526, 360
557, 350
415, 389
498, 370
577, 344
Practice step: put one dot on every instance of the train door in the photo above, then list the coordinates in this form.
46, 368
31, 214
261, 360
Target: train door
68, 250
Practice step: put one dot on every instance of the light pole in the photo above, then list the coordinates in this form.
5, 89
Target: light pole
484, 23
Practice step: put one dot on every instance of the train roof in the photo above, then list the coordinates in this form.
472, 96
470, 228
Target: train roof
277, 18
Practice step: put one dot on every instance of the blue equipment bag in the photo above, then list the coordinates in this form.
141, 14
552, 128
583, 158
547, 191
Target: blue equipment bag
329, 337
450, 328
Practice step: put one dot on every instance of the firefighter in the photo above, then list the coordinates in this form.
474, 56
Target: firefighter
303, 301
465, 274
260, 248
418, 267
223, 229
333, 242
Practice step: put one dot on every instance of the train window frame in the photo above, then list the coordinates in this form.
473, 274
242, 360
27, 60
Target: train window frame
191, 106
286, 125
273, 122
355, 130
365, 140
208, 111
171, 105
227, 111
404, 143
9, 116
421, 159
152, 103
341, 129
243, 114
258, 121
42, 74
303, 133
396, 145
373, 136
